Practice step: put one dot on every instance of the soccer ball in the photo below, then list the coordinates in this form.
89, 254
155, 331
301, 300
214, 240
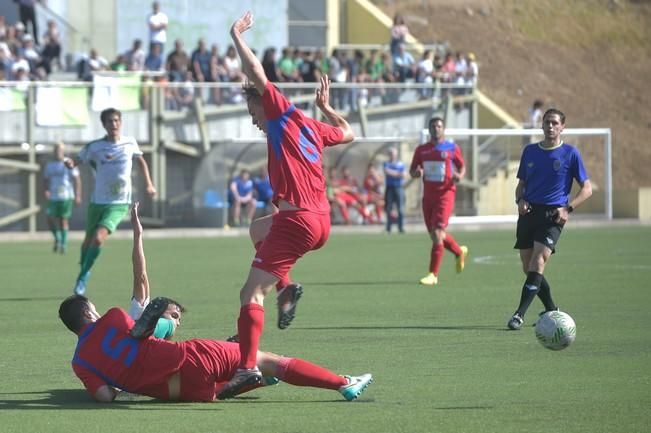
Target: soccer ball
555, 330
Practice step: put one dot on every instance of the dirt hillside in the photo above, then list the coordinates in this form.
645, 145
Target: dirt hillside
590, 58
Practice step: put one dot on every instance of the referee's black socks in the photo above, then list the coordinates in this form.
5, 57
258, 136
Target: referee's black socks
529, 290
545, 295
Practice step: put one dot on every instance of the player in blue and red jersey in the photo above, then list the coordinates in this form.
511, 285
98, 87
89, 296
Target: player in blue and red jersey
440, 163
546, 173
109, 357
294, 146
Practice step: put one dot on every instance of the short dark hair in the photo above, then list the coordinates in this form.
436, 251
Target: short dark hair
435, 119
182, 309
250, 92
106, 114
71, 312
555, 111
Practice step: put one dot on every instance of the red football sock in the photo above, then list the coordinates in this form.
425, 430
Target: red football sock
435, 258
249, 328
451, 244
299, 372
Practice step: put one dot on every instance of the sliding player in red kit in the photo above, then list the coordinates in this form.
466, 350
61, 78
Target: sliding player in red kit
440, 163
294, 146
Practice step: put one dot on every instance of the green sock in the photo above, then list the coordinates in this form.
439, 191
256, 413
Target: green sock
91, 255
82, 257
55, 233
64, 238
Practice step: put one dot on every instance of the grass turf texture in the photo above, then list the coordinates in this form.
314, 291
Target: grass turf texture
441, 357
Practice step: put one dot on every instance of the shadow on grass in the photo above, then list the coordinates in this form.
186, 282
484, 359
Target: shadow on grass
74, 399
356, 283
58, 399
415, 327
40, 298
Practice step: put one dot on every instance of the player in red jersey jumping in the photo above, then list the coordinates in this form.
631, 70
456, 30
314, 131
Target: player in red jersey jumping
295, 143
440, 163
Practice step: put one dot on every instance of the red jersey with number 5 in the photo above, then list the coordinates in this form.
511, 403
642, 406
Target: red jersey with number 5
437, 162
107, 355
295, 143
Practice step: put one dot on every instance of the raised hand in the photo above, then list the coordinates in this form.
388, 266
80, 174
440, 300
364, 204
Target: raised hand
242, 24
135, 219
322, 99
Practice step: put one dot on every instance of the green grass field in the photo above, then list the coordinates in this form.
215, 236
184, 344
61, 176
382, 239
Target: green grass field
441, 357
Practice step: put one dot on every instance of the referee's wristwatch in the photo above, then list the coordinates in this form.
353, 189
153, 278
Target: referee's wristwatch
569, 208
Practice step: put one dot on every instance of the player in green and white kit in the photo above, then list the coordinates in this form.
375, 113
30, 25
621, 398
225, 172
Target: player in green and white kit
111, 158
62, 187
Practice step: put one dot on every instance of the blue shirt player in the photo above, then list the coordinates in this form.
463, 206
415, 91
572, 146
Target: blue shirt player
546, 173
394, 193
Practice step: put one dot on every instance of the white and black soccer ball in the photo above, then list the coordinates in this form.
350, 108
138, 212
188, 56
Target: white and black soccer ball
555, 330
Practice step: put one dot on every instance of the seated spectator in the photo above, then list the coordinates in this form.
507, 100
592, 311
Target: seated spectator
136, 56
308, 69
472, 73
404, 65
119, 64
3, 28
31, 54
241, 195
263, 191
177, 62
218, 73
287, 67
373, 184
269, 65
154, 60
200, 63
185, 93
346, 195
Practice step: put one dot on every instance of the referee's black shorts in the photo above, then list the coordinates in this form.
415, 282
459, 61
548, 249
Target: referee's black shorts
538, 226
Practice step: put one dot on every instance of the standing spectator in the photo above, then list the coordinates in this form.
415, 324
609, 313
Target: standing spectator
29, 52
112, 157
321, 61
546, 174
177, 62
135, 57
339, 74
51, 53
27, 13
62, 187
399, 32
394, 193
303, 222
241, 194
425, 73
157, 22
440, 164
472, 73
218, 73
534, 114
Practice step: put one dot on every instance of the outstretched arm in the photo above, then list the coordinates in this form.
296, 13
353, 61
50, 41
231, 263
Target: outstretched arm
251, 66
322, 101
149, 185
140, 280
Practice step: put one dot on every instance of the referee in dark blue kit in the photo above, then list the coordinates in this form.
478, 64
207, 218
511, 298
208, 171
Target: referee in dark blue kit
546, 173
